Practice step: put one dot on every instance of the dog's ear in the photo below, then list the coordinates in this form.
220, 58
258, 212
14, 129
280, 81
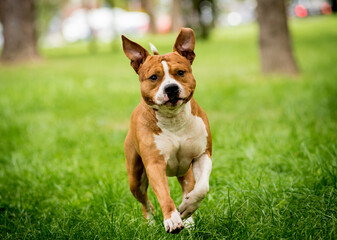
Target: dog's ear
185, 43
136, 53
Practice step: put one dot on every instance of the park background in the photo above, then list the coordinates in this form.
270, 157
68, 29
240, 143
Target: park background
65, 105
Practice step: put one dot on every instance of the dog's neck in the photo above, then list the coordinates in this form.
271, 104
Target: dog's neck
174, 119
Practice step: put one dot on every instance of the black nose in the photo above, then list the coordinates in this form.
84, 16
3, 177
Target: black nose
172, 90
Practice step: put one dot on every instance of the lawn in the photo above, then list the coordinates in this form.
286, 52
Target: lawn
63, 121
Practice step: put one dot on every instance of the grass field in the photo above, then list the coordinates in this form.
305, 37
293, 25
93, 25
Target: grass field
63, 122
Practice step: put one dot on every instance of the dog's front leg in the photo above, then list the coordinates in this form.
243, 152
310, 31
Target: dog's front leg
202, 168
156, 172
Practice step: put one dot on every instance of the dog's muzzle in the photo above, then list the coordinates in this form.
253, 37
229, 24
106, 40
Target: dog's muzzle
172, 91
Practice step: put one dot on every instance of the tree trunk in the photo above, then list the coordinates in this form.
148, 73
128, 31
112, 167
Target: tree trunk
148, 6
20, 40
176, 14
205, 13
334, 6
275, 45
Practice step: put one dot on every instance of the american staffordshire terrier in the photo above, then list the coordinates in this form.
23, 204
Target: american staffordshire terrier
169, 133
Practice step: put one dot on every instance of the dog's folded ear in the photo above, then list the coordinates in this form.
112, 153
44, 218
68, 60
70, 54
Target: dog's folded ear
136, 53
185, 43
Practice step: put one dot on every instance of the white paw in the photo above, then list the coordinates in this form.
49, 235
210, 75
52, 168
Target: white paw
189, 223
189, 205
174, 224
150, 219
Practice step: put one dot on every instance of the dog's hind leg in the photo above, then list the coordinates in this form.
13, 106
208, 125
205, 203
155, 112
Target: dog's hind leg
138, 180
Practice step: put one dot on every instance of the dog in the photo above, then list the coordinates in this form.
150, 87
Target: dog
169, 133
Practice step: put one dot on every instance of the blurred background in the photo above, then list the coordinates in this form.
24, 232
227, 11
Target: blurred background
52, 24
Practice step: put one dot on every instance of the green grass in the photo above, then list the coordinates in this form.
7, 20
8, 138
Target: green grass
63, 122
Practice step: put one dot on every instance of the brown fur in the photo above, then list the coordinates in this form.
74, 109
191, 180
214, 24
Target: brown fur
140, 150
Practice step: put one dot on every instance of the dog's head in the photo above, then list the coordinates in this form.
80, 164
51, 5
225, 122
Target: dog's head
166, 81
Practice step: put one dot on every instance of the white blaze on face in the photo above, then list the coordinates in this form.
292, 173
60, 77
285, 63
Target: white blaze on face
161, 97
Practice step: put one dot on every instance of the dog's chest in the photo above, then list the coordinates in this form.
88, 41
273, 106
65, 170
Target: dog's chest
182, 139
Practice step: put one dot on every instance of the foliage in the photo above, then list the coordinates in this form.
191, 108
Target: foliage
63, 123
45, 11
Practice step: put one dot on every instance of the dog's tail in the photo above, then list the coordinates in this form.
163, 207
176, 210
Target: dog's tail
154, 49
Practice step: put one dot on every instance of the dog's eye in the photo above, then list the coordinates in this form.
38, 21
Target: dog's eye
180, 73
154, 77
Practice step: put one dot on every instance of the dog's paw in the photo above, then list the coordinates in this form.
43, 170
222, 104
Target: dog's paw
150, 219
174, 224
189, 205
189, 223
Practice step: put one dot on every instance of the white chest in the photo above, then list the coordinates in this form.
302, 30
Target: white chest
182, 139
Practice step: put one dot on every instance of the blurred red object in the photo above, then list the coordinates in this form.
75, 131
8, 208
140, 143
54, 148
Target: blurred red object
164, 23
326, 8
301, 11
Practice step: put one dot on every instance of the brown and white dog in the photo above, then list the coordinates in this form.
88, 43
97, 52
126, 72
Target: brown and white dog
169, 133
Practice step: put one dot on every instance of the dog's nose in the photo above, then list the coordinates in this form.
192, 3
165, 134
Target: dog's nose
172, 90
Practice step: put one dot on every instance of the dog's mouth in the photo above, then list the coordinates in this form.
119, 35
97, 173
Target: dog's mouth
173, 101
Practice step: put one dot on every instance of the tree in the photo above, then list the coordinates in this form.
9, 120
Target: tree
45, 11
275, 45
148, 6
334, 5
199, 15
176, 14
19, 31
205, 10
